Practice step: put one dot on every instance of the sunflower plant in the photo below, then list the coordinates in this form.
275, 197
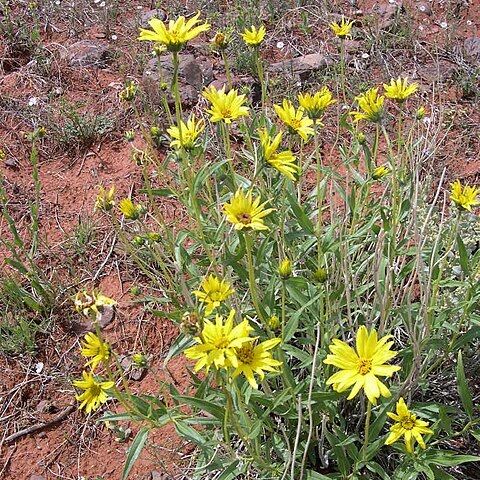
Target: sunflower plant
310, 313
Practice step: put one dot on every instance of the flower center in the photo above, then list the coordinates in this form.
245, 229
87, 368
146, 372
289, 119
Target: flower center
95, 390
295, 123
245, 353
222, 342
364, 366
244, 218
408, 423
215, 296
226, 112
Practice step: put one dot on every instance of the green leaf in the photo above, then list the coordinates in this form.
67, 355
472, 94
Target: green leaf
441, 475
463, 255
135, 450
179, 345
311, 475
232, 471
189, 433
160, 192
205, 405
449, 459
300, 215
462, 386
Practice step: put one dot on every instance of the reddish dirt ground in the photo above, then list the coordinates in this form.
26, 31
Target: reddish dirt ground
78, 447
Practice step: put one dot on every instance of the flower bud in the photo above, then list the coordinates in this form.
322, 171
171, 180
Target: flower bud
190, 324
140, 360
380, 172
362, 139
129, 135
420, 113
274, 323
320, 275
285, 269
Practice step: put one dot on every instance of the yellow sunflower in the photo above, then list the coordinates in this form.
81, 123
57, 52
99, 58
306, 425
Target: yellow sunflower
361, 368
94, 392
244, 212
96, 348
213, 292
294, 119
464, 197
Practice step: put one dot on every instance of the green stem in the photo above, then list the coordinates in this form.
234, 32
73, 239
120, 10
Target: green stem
367, 430
251, 280
227, 69
342, 68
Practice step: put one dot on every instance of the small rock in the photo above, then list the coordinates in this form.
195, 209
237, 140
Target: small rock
472, 49
12, 163
89, 53
42, 406
83, 325
302, 66
156, 476
37, 477
425, 8
387, 13
194, 74
438, 72
145, 17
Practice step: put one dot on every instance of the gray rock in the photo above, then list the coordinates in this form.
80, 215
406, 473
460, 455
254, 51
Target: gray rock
438, 72
82, 325
37, 477
386, 13
194, 74
89, 53
302, 66
145, 17
471, 46
425, 8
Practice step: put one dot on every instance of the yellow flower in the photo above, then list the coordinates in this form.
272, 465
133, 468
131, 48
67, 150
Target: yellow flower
380, 172
2, 154
105, 201
282, 161
464, 197
94, 394
253, 36
372, 106
189, 133
256, 359
178, 32
217, 343
407, 425
294, 119
96, 348
342, 30
133, 212
361, 369
214, 292
244, 212
92, 302
140, 360
399, 89
315, 105
274, 323
225, 106
420, 113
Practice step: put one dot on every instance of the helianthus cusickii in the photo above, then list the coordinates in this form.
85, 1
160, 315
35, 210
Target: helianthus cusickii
225, 106
177, 34
253, 36
94, 392
256, 359
96, 348
371, 104
407, 425
246, 213
218, 341
284, 161
294, 119
186, 134
213, 292
361, 368
399, 89
464, 197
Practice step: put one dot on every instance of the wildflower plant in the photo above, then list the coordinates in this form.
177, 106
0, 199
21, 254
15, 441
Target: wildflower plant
296, 374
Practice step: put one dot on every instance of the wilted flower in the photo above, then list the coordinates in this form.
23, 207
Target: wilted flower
221, 40
190, 323
129, 92
92, 303
131, 211
105, 201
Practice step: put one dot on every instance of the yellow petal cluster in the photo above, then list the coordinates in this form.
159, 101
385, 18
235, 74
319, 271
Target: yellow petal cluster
225, 106
399, 89
362, 368
94, 392
464, 197
253, 36
105, 201
407, 425
315, 105
284, 161
294, 119
213, 292
342, 29
178, 33
94, 347
371, 105
246, 213
186, 134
